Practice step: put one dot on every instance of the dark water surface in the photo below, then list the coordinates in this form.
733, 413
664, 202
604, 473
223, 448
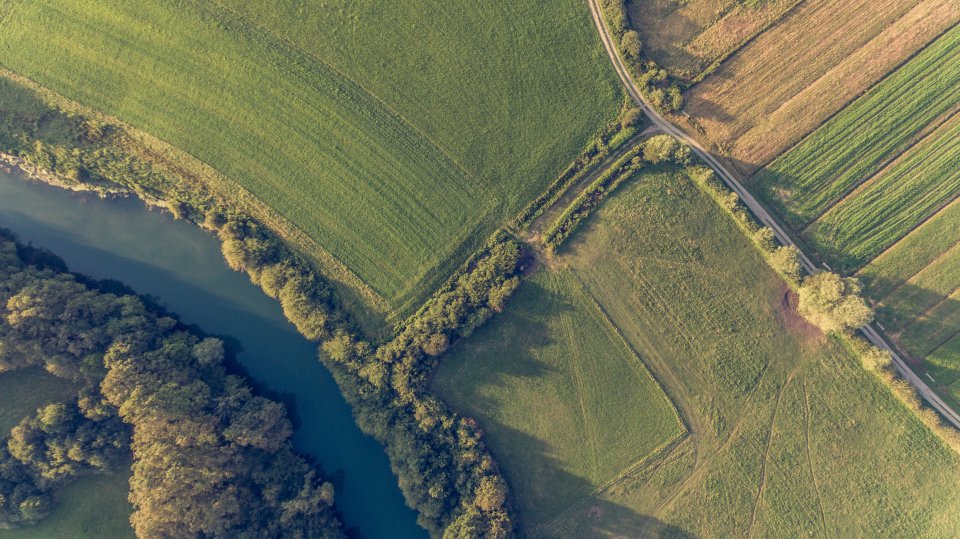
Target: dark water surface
181, 266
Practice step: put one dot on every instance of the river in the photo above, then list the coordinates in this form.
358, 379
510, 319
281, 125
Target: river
181, 265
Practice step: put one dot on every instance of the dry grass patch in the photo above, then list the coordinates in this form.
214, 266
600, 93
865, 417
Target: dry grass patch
687, 38
791, 78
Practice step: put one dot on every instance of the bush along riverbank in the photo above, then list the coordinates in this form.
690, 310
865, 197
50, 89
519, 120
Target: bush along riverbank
445, 471
210, 458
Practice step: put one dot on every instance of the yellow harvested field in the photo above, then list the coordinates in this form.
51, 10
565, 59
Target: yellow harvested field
817, 59
688, 38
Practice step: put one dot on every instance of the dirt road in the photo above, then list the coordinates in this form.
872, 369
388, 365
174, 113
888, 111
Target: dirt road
759, 211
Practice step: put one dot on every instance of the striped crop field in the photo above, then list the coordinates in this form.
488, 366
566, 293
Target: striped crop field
807, 66
891, 204
912, 254
395, 178
811, 177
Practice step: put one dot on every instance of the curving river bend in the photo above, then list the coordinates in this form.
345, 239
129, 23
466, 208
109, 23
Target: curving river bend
181, 266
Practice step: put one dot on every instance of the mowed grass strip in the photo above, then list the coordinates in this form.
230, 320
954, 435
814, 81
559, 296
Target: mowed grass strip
816, 446
806, 67
926, 331
565, 404
892, 203
812, 176
943, 364
923, 291
304, 139
922, 247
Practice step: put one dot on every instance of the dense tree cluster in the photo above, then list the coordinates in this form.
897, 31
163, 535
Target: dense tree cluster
444, 469
210, 458
658, 87
833, 303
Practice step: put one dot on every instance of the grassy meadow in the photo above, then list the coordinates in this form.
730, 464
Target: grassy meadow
91, 507
394, 139
566, 405
789, 435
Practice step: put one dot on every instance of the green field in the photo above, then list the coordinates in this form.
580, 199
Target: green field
807, 180
91, 507
789, 435
894, 202
943, 364
397, 139
566, 405
913, 253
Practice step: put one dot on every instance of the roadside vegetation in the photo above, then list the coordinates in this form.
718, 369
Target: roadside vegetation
692, 38
565, 403
658, 86
769, 399
339, 141
874, 191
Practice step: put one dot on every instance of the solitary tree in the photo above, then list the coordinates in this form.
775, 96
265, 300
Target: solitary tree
833, 303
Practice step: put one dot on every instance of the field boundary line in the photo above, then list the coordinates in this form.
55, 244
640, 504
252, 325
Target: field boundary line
720, 60
843, 106
910, 233
636, 355
579, 387
291, 44
758, 210
912, 279
926, 133
663, 451
813, 475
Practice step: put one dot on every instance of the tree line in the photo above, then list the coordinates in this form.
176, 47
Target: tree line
210, 458
444, 469
652, 151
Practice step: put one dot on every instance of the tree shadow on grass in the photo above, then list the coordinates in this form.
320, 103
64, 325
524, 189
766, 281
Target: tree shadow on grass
551, 501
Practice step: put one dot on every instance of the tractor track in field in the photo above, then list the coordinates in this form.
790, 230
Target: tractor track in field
872, 335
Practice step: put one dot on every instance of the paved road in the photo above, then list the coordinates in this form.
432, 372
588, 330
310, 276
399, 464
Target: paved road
759, 211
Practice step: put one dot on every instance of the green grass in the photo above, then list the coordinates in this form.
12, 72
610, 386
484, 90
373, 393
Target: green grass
893, 203
913, 253
397, 138
943, 364
924, 291
91, 507
565, 404
789, 435
925, 331
811, 177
